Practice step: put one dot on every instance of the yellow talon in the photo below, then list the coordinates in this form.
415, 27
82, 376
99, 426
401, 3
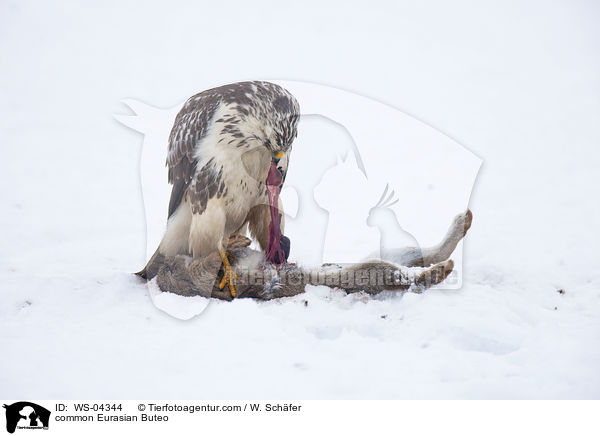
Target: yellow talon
229, 275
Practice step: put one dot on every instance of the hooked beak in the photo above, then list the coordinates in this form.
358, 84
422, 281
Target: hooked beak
275, 158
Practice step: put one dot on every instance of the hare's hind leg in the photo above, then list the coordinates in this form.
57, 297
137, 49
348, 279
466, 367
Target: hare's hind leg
415, 256
458, 229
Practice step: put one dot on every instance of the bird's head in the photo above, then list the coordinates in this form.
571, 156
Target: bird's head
275, 142
273, 124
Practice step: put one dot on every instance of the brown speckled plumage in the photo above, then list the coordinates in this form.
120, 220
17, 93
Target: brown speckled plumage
219, 152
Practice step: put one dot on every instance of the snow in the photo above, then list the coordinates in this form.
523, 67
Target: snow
516, 83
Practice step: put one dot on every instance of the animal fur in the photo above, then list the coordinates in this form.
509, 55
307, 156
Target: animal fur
188, 276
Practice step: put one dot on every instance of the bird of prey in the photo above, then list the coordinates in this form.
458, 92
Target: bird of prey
223, 146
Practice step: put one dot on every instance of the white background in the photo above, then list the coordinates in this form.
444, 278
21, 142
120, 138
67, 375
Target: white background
516, 82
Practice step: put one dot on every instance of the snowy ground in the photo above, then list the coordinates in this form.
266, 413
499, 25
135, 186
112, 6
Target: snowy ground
517, 83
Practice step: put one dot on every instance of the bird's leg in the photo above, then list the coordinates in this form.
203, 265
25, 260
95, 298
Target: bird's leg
229, 274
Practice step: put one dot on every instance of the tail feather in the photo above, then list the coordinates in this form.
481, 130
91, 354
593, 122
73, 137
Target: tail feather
152, 267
